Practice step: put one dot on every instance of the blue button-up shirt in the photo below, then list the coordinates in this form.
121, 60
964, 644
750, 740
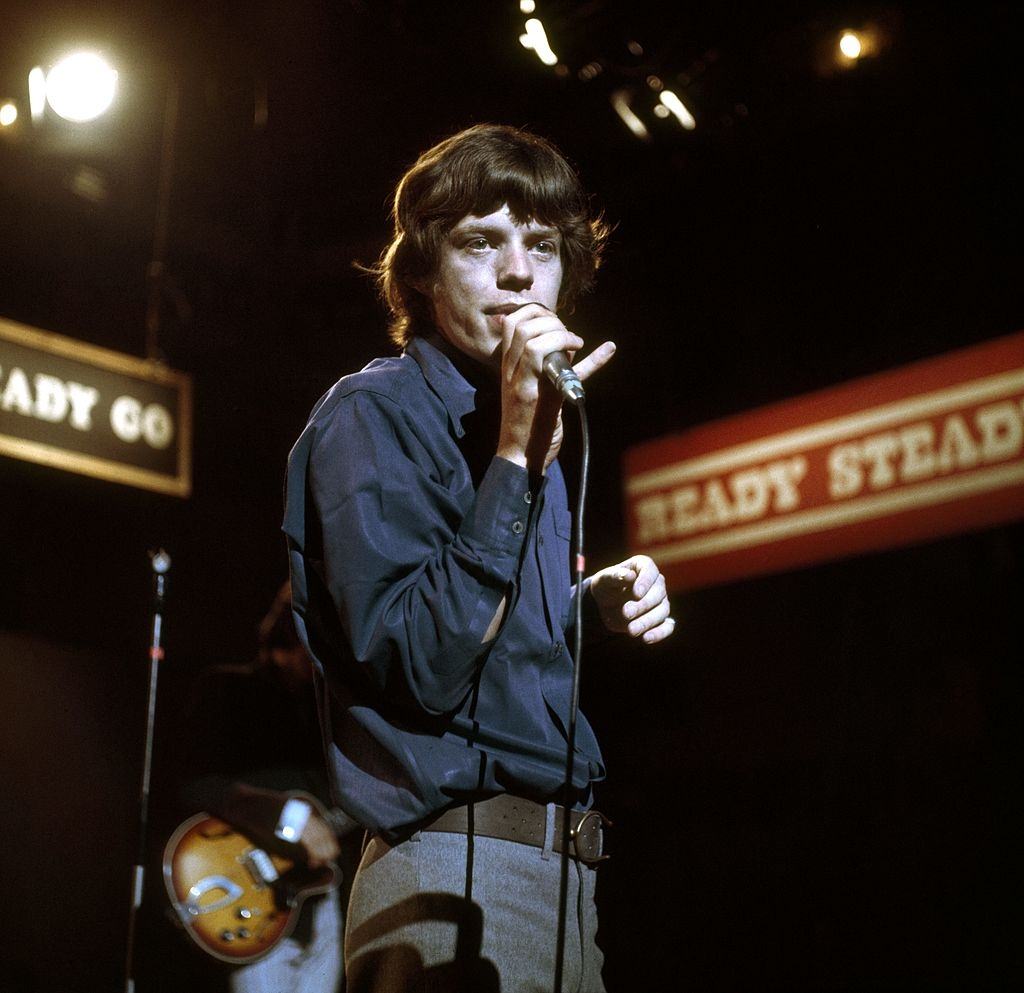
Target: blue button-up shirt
399, 563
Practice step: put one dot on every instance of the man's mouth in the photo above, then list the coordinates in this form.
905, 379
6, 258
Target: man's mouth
504, 309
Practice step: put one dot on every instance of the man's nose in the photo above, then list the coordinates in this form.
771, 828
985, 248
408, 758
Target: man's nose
515, 269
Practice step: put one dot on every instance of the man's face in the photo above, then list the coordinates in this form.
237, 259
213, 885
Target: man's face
488, 267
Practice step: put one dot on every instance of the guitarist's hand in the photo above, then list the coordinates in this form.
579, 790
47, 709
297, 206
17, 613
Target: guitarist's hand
317, 841
255, 812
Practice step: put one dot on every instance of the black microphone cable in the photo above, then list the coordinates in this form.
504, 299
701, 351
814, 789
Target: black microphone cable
577, 655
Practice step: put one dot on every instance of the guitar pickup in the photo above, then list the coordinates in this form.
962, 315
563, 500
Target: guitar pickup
261, 867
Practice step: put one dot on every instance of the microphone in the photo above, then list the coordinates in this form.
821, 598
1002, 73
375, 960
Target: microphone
563, 377
160, 560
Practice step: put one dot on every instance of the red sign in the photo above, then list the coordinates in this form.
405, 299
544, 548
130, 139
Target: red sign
930, 449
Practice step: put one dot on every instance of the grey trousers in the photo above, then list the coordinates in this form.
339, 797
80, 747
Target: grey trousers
296, 966
455, 914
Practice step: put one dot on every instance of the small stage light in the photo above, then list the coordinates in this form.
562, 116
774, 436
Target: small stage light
8, 114
851, 48
620, 102
81, 87
537, 39
677, 107
527, 6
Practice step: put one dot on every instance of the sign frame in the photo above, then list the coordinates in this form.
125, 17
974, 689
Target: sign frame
110, 470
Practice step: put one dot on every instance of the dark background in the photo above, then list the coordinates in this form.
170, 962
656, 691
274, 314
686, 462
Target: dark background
815, 783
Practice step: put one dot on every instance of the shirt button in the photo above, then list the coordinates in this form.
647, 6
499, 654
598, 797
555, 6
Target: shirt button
528, 497
517, 527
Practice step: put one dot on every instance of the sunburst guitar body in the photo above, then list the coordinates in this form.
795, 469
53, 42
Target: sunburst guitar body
236, 900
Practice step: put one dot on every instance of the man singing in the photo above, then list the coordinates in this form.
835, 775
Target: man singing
428, 534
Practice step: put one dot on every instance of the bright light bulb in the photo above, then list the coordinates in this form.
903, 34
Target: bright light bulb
850, 45
81, 87
527, 6
8, 115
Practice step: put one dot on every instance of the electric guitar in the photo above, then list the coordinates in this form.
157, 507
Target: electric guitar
236, 900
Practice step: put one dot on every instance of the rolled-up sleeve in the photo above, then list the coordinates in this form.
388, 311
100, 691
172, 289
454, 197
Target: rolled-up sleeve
416, 577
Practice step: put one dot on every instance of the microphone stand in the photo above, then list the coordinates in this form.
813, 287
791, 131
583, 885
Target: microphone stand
574, 701
161, 563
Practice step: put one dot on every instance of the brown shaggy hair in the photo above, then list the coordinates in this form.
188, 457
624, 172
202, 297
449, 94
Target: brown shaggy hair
475, 172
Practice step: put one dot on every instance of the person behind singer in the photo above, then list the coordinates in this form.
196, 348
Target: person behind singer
251, 749
428, 534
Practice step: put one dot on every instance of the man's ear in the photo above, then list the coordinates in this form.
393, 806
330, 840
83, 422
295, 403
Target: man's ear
423, 286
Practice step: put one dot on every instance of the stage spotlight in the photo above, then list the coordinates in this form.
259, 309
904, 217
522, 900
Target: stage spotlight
537, 39
677, 107
851, 48
8, 114
527, 6
856, 46
81, 87
850, 45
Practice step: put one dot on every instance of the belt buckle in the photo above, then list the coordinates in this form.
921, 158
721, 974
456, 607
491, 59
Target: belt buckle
575, 833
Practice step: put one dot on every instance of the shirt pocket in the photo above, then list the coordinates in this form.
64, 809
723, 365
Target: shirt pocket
557, 578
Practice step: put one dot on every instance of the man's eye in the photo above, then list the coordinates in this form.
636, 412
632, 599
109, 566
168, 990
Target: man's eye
478, 244
546, 248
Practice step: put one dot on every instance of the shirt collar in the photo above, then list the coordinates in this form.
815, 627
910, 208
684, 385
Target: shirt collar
456, 393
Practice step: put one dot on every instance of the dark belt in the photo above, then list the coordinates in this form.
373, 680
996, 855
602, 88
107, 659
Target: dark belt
511, 818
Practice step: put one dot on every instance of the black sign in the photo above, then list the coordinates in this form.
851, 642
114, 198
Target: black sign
94, 411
